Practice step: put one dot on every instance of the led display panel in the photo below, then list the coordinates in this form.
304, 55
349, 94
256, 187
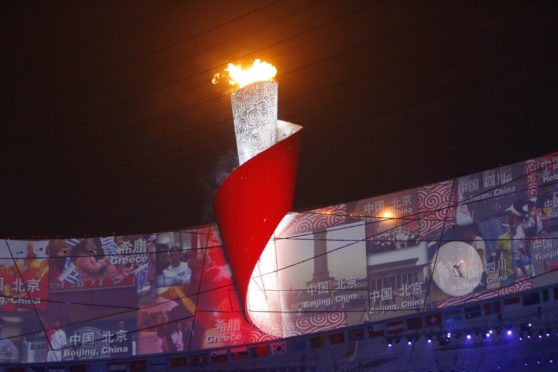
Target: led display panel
432, 247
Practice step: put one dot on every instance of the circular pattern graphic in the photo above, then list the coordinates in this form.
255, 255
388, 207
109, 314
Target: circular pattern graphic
457, 268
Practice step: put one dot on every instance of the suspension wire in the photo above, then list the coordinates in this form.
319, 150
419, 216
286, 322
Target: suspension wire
466, 201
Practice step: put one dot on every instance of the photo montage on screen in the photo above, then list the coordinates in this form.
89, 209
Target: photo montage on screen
431, 247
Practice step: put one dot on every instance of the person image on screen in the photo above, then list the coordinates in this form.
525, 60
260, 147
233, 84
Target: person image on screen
151, 335
162, 262
164, 340
116, 273
178, 272
173, 339
149, 285
471, 235
511, 246
176, 336
59, 257
87, 261
476, 241
57, 341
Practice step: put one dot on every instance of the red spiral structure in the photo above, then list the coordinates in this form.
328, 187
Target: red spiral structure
251, 202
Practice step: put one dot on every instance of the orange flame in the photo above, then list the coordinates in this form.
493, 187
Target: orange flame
240, 76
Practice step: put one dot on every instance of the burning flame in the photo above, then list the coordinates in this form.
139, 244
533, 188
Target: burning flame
240, 77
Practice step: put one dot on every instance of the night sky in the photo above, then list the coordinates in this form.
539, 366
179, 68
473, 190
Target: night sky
110, 122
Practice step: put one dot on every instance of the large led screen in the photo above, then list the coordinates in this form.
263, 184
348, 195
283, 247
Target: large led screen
459, 241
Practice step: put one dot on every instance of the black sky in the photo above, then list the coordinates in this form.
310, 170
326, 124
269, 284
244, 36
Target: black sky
110, 122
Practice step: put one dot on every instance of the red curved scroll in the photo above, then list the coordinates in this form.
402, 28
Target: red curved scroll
251, 202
